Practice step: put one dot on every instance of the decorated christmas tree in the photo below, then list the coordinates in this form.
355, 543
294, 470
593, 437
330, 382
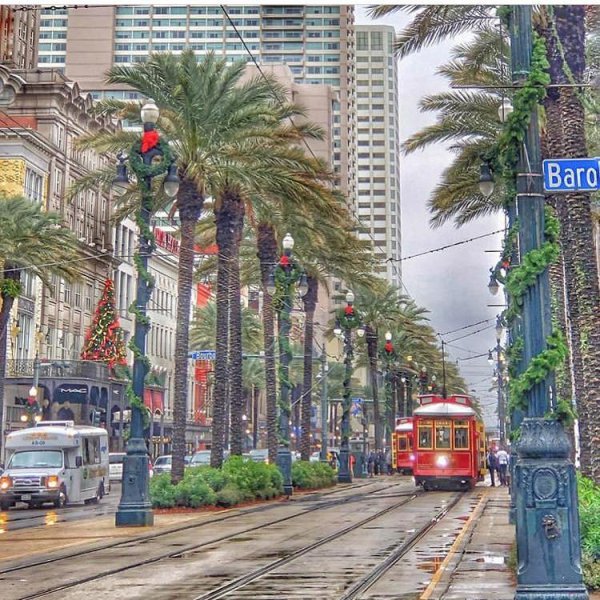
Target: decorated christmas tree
104, 340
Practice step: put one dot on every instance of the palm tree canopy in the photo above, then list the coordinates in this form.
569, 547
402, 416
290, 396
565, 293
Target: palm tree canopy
34, 240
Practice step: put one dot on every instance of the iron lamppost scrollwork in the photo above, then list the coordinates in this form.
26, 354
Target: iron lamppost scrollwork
286, 276
348, 319
148, 158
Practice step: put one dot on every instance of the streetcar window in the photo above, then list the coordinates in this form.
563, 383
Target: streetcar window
402, 443
442, 435
461, 435
425, 441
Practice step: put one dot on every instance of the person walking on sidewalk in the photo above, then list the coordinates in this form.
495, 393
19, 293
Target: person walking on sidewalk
502, 456
492, 464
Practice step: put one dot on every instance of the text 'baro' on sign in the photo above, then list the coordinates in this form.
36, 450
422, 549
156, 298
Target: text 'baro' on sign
571, 175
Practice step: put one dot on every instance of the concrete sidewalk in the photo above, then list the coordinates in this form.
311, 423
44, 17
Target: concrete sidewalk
476, 568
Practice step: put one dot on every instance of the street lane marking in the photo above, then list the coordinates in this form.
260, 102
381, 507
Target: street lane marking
426, 595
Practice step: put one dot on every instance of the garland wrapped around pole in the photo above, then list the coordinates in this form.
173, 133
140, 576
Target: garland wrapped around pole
285, 277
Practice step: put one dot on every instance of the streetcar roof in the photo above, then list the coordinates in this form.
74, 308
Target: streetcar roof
408, 426
444, 409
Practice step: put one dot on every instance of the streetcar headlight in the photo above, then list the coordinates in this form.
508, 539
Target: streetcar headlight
441, 461
5, 483
52, 482
411, 457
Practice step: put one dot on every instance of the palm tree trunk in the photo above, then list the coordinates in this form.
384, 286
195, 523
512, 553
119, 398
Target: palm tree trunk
189, 203
236, 390
310, 303
224, 240
267, 254
372, 343
580, 261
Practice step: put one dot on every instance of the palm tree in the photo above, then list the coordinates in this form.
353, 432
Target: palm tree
34, 241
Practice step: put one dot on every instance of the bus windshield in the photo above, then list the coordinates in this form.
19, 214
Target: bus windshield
35, 459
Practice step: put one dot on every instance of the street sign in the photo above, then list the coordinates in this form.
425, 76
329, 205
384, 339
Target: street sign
571, 175
202, 354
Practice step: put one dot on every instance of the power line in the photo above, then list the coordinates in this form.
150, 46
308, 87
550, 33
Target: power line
472, 333
478, 237
466, 327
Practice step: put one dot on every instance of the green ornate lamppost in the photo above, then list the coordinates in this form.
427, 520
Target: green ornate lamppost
286, 275
347, 320
148, 158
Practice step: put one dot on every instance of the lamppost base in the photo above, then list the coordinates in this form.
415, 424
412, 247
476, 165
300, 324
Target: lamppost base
134, 508
548, 542
284, 463
551, 592
344, 474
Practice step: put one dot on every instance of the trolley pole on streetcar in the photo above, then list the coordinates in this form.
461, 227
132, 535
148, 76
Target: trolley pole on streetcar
347, 320
547, 521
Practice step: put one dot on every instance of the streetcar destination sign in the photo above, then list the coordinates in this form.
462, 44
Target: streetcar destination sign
571, 175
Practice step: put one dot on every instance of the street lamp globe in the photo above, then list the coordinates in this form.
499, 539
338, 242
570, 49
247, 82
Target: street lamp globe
486, 180
490, 358
388, 336
171, 182
493, 284
337, 330
37, 418
303, 285
360, 331
505, 109
33, 392
271, 287
149, 112
288, 242
121, 182
499, 329
349, 296
23, 418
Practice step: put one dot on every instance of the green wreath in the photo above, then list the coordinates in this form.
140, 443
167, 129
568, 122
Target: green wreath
349, 321
136, 160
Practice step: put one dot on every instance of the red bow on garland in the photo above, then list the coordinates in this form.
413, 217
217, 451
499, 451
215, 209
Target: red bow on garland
284, 261
149, 140
388, 347
349, 311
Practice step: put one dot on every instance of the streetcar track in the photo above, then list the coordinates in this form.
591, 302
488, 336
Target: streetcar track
180, 551
375, 574
244, 580
165, 532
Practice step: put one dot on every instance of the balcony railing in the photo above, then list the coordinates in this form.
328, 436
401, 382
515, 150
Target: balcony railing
59, 368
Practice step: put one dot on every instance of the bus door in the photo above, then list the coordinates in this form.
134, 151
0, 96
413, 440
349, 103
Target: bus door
73, 473
90, 449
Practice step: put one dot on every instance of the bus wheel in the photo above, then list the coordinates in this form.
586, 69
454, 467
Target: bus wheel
62, 499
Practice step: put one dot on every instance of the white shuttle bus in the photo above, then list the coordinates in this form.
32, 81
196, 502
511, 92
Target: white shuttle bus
55, 461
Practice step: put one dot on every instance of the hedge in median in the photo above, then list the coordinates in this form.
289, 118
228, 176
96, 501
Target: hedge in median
310, 475
239, 480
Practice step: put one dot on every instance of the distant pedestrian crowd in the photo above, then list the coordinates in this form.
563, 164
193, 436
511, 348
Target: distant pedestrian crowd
497, 464
379, 463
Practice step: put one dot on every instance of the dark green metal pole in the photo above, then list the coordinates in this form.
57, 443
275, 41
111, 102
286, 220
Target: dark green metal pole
324, 406
547, 523
345, 473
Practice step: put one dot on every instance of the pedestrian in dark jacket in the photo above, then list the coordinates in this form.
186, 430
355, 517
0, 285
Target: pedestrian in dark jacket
492, 464
371, 464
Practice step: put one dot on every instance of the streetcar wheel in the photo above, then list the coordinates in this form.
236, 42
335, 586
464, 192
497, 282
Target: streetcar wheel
426, 486
62, 499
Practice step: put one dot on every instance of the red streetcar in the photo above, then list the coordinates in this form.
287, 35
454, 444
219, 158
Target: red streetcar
402, 448
450, 443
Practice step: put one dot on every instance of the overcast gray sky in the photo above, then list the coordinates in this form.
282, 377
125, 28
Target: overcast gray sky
452, 284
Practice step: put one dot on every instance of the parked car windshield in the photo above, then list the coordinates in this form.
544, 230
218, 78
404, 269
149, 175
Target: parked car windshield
36, 459
200, 458
162, 460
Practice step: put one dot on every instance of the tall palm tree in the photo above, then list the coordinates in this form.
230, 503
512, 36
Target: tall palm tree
34, 241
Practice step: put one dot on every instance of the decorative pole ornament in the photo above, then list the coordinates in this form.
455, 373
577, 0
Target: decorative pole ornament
148, 158
347, 320
287, 274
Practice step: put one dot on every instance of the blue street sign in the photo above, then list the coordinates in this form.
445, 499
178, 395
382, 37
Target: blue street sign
571, 175
202, 354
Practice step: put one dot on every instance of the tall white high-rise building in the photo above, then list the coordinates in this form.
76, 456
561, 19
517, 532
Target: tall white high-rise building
378, 168
316, 42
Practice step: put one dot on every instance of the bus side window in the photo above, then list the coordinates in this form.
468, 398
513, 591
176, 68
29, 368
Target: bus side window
95, 443
85, 450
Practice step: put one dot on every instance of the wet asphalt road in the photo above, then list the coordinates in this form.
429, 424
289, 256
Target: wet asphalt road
22, 517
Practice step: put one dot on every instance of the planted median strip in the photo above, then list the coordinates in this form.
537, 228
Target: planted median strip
237, 481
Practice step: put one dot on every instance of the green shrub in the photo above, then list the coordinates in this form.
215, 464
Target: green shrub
307, 475
230, 495
589, 525
194, 492
253, 479
162, 492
